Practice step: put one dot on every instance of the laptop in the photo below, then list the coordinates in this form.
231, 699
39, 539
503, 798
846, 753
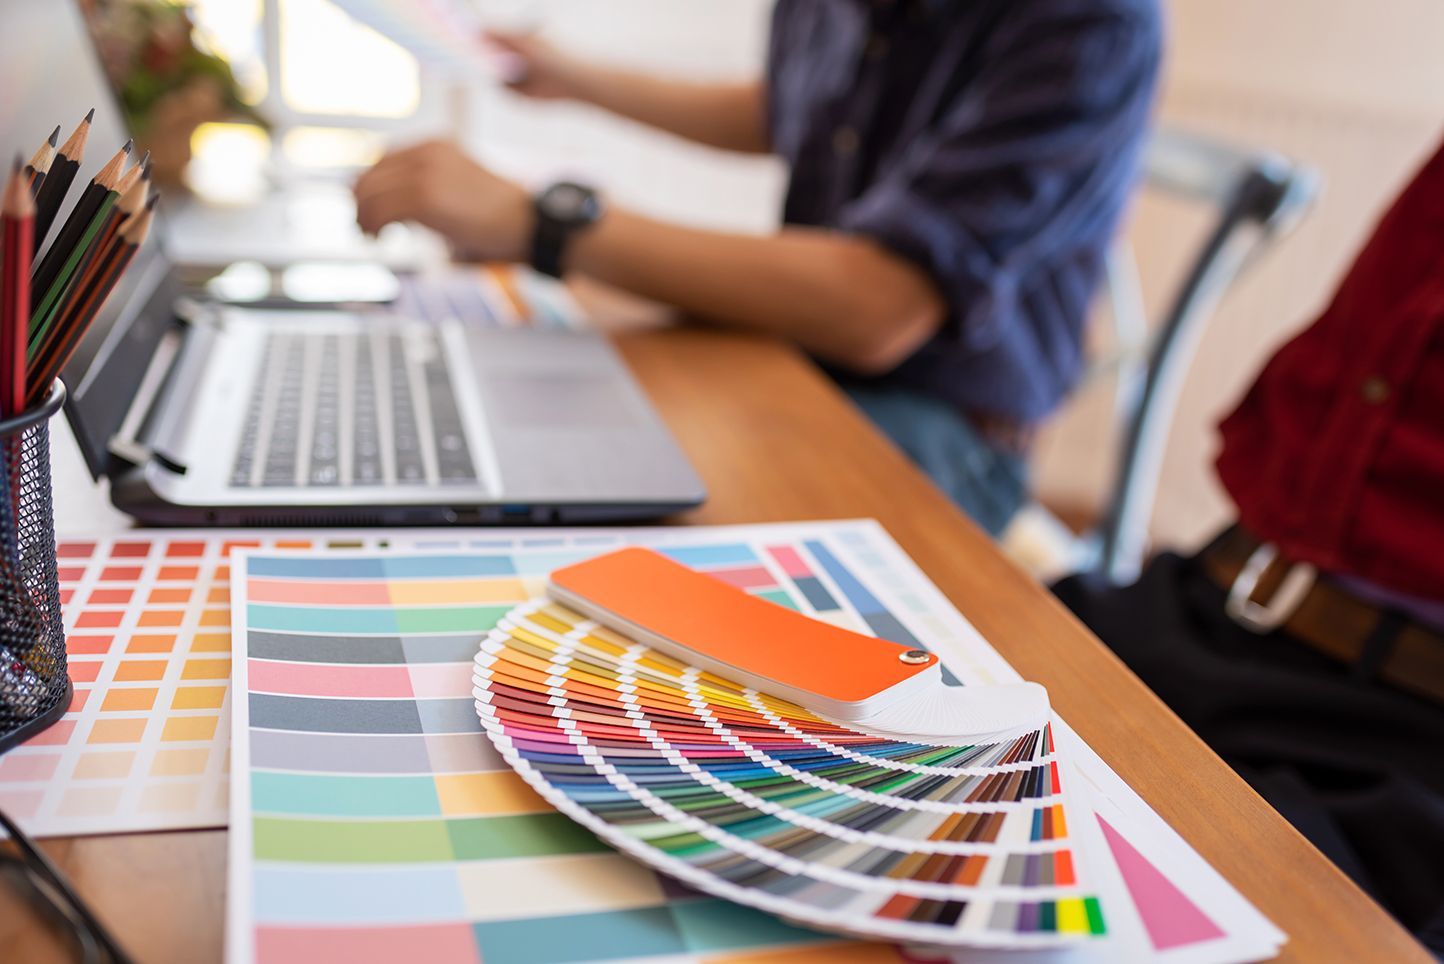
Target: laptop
201, 413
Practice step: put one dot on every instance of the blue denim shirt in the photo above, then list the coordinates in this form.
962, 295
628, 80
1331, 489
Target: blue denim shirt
991, 142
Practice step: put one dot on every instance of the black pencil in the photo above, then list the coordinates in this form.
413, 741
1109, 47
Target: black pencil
98, 193
39, 165
45, 368
133, 200
57, 182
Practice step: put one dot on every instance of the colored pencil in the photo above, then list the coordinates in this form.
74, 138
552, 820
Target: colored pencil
18, 214
62, 313
39, 165
50, 276
96, 286
57, 182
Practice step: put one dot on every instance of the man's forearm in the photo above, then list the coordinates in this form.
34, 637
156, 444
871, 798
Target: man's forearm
841, 297
729, 116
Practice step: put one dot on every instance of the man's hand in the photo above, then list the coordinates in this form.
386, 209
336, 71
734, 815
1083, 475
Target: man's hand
436, 184
535, 68
731, 116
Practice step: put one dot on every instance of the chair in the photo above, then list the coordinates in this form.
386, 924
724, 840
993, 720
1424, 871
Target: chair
1259, 196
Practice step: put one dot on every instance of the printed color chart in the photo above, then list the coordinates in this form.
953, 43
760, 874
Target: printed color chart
375, 821
148, 634
147, 618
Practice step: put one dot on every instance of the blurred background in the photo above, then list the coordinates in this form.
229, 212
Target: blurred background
314, 90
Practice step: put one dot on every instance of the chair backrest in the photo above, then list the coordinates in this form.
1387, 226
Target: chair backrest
1258, 196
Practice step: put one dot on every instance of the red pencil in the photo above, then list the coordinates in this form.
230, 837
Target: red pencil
17, 211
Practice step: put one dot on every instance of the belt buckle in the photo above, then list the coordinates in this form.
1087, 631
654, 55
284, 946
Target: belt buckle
1266, 617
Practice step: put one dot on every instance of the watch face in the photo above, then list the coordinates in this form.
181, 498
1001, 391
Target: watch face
570, 203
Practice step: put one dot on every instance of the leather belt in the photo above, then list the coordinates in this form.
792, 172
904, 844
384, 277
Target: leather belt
1267, 592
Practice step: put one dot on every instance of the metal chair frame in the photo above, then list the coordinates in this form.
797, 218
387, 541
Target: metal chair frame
1259, 196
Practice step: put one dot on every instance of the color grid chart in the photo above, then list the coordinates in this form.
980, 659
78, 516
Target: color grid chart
379, 823
382, 822
147, 617
148, 632
491, 295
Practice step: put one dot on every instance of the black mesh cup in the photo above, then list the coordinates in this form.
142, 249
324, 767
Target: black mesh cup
34, 687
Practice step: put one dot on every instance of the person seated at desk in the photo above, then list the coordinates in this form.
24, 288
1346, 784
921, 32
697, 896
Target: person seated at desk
1306, 643
957, 172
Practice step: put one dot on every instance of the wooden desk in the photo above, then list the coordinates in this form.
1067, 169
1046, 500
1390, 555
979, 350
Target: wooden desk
776, 441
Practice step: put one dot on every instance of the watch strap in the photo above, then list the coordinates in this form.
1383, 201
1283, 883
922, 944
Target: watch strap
548, 241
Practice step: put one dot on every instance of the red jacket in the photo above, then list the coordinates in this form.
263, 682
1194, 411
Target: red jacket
1336, 453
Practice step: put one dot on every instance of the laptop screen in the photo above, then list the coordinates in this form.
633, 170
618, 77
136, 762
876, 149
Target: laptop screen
49, 74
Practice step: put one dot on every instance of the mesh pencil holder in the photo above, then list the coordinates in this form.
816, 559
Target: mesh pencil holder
34, 687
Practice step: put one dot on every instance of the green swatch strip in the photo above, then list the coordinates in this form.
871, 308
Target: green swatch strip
381, 620
780, 596
1095, 916
298, 840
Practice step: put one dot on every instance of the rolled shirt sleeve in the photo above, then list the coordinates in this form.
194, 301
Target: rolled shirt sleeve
1009, 196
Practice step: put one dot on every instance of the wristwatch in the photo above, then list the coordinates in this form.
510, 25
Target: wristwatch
561, 211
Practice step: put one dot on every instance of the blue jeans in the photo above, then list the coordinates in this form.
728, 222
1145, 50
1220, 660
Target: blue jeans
986, 482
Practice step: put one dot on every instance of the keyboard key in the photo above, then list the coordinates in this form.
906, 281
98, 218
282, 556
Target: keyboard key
453, 458
281, 388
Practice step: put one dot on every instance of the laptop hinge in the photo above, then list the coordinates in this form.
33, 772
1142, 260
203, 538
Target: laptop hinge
154, 419
125, 444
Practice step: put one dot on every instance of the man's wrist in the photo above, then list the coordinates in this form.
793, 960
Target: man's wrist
590, 83
560, 213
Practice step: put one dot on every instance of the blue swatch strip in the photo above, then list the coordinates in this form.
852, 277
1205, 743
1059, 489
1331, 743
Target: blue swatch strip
882, 622
719, 555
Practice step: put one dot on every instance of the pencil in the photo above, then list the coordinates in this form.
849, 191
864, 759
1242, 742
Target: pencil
17, 210
39, 165
57, 182
62, 313
44, 370
134, 174
48, 278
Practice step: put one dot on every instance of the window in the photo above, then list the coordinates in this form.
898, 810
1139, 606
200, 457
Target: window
331, 85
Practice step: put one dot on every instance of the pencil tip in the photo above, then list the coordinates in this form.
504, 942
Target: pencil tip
90, 116
54, 136
19, 163
150, 202
144, 163
126, 149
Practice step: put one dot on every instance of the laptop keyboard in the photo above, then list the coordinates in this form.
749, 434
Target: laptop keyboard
353, 409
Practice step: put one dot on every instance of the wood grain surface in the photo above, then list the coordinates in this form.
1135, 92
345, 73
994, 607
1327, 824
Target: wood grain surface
776, 441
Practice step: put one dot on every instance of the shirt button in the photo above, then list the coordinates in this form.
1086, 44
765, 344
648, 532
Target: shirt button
1375, 390
844, 141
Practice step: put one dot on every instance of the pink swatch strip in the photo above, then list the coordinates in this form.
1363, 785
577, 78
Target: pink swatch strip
789, 560
325, 679
351, 592
362, 945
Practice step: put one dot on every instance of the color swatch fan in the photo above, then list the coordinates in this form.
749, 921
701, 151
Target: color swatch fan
757, 755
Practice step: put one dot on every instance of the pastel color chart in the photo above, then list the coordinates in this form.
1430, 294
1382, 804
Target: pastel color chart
148, 634
147, 617
376, 820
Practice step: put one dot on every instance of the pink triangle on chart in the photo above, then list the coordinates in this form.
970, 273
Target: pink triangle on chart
1172, 920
